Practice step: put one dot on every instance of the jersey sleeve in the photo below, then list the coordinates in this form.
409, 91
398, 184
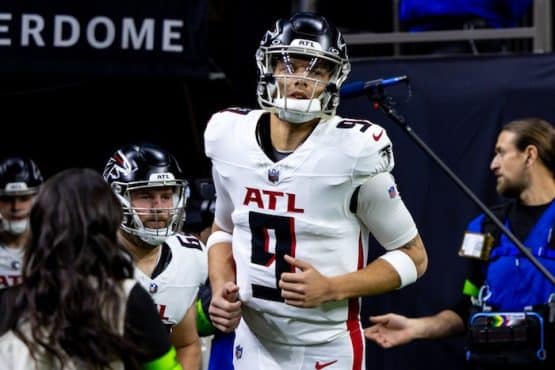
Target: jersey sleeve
196, 253
224, 205
202, 264
212, 133
383, 212
216, 134
375, 156
217, 130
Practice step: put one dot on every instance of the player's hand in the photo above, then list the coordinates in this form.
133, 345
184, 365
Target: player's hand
225, 307
390, 330
307, 288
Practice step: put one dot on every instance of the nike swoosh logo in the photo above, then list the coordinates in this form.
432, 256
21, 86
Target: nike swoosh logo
319, 365
378, 136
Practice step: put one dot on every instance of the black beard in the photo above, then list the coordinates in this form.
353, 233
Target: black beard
511, 192
137, 241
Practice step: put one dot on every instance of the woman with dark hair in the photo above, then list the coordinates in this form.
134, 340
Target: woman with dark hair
78, 307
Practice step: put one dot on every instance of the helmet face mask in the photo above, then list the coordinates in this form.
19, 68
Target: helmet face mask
165, 221
309, 38
140, 174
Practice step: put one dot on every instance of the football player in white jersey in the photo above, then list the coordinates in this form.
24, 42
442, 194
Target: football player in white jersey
171, 266
298, 189
20, 180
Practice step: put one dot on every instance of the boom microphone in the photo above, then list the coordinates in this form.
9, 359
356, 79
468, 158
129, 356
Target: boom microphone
359, 88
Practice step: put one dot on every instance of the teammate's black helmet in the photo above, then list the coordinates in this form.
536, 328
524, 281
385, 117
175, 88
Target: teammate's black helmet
147, 166
19, 176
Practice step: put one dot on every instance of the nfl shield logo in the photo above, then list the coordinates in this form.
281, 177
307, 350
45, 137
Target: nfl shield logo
238, 351
153, 288
273, 175
16, 265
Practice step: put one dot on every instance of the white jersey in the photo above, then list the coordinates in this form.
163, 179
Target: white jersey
11, 260
175, 288
301, 206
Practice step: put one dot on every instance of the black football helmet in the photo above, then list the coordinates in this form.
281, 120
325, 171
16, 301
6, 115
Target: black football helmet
310, 37
19, 176
147, 166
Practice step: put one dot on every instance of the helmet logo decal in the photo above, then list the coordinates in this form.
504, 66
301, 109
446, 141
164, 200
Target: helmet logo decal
271, 35
163, 176
16, 186
118, 166
306, 44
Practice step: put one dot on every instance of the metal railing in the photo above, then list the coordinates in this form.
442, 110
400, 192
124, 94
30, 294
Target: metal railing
539, 32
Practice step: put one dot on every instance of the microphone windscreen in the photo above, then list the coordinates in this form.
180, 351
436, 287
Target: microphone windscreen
352, 89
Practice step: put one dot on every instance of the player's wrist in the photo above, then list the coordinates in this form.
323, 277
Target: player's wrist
216, 284
419, 328
334, 289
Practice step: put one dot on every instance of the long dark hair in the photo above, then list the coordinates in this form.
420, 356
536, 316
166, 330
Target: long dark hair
71, 296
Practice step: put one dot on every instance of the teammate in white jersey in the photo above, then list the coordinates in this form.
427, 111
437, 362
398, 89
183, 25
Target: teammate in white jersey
298, 189
153, 192
20, 180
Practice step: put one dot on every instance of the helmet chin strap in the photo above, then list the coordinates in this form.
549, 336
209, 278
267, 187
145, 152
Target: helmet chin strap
298, 110
15, 227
